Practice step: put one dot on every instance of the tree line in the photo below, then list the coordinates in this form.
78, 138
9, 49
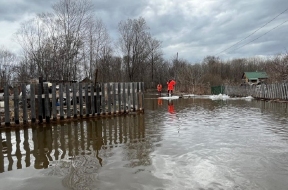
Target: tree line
71, 43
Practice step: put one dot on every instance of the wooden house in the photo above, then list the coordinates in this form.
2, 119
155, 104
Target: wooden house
254, 78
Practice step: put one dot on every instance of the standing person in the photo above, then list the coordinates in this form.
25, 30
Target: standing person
171, 84
159, 88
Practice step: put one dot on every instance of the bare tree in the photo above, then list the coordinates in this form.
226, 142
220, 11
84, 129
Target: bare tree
7, 62
134, 44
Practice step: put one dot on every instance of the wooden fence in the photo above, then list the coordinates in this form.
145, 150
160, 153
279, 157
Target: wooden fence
65, 102
278, 91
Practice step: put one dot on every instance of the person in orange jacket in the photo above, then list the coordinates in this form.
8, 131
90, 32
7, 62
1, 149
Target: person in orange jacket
171, 84
159, 88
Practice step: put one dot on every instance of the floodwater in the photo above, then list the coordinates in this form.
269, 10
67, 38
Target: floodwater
187, 143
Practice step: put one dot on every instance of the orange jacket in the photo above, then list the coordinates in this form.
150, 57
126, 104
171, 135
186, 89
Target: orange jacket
159, 87
171, 85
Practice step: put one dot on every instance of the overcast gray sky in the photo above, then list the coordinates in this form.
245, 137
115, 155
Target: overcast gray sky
193, 28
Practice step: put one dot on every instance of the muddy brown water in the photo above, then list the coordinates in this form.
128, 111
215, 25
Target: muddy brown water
187, 143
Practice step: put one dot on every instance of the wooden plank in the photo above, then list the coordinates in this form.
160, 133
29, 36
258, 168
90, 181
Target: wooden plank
124, 97
6, 105
39, 99
47, 104
103, 98
16, 105
24, 104
54, 106
61, 101
98, 99
68, 101
133, 96
86, 100
32, 103
74, 100
119, 97
129, 96
114, 97
109, 98
92, 100
80, 100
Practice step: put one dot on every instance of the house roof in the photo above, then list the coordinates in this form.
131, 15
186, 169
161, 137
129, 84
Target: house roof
255, 75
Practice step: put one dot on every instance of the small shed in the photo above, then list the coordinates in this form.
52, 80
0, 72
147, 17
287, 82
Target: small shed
254, 78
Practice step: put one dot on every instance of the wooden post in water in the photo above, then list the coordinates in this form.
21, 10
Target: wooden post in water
124, 97
47, 103
134, 96
6, 105
16, 105
61, 101
129, 96
74, 100
98, 99
109, 98
142, 89
86, 100
68, 101
119, 97
103, 106
54, 106
32, 103
114, 97
80, 100
40, 109
92, 97
24, 104
137, 94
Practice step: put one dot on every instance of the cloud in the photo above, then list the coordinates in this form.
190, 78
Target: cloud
193, 28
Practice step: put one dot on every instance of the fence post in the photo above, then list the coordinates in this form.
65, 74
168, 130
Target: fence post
47, 104
92, 97
86, 100
124, 97
54, 108
24, 104
119, 97
103, 106
98, 99
81, 100
133, 96
40, 109
16, 105
32, 103
109, 97
68, 101
114, 97
61, 101
74, 100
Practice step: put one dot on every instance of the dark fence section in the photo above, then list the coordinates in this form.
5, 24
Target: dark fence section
278, 91
41, 103
217, 89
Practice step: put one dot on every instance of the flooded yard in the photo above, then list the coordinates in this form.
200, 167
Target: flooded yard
200, 143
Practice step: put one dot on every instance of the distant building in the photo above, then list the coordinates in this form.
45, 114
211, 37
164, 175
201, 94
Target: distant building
254, 78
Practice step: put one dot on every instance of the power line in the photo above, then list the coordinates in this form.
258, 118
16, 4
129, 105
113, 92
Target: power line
260, 36
253, 32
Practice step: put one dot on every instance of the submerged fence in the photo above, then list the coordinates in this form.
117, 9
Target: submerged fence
41, 103
278, 91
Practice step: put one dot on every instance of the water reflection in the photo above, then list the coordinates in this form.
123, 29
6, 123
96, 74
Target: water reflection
171, 107
76, 150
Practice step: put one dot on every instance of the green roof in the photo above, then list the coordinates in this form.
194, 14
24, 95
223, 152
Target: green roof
255, 75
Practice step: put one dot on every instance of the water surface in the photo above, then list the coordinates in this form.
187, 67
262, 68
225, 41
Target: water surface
192, 143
